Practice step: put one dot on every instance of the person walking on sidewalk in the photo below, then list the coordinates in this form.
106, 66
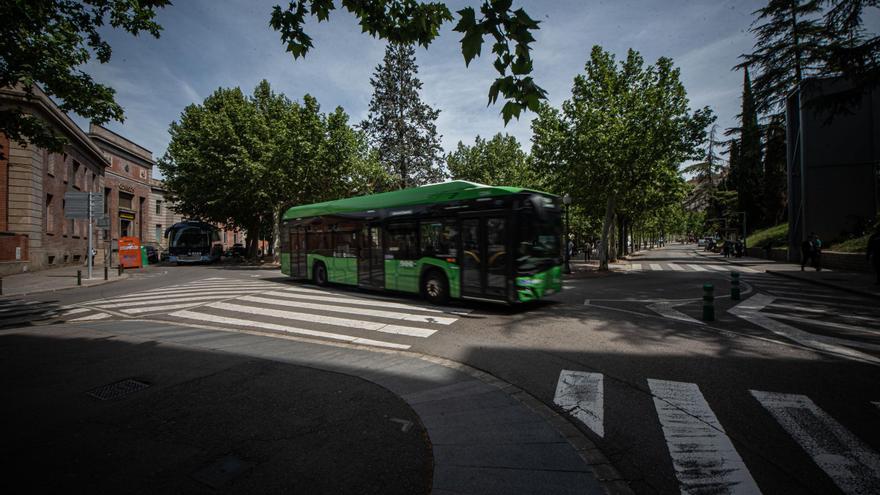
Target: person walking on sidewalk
806, 251
873, 251
817, 252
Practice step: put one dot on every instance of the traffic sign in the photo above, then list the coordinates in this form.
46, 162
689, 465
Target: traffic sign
97, 200
76, 204
103, 222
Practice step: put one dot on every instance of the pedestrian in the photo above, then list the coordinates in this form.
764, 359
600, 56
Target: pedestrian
817, 252
806, 251
739, 248
727, 247
874, 251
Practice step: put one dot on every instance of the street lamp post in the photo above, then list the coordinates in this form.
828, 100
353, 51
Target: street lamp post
566, 268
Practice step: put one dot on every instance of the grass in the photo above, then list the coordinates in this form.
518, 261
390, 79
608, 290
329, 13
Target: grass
774, 236
854, 245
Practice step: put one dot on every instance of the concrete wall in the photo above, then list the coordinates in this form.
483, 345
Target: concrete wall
839, 161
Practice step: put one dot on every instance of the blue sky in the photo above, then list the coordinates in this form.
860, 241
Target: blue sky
209, 44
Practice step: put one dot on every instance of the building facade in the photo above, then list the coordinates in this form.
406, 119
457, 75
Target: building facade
34, 234
127, 187
163, 214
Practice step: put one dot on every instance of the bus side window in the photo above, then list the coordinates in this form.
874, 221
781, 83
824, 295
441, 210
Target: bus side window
438, 238
401, 241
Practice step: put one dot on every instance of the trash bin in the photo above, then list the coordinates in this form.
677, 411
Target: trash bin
144, 260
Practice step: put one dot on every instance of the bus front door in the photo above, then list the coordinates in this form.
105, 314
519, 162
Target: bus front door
484, 260
371, 261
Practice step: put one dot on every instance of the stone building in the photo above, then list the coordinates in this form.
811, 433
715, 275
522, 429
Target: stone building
127, 186
33, 231
163, 213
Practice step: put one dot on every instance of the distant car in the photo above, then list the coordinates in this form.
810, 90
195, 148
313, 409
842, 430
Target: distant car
701, 242
152, 253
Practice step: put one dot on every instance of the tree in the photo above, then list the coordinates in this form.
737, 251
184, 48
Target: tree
241, 161
498, 161
400, 126
749, 164
788, 46
45, 42
775, 180
620, 139
706, 175
409, 22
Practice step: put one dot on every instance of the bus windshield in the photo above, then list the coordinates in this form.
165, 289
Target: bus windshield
538, 241
189, 238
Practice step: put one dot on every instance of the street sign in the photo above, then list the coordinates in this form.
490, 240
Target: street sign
103, 222
76, 205
97, 200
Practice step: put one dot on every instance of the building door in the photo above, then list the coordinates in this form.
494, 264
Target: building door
298, 253
371, 260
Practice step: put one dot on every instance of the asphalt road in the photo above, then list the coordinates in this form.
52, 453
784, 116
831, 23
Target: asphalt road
777, 395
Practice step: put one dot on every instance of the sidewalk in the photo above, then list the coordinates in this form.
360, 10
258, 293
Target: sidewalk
247, 413
54, 279
855, 282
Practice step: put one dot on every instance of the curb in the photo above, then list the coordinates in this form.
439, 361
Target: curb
57, 289
825, 284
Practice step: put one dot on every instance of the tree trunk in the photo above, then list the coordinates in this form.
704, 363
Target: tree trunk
606, 228
253, 235
276, 233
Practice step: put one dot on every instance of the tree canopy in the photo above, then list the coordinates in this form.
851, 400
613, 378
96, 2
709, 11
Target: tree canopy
497, 161
46, 42
400, 126
413, 22
240, 160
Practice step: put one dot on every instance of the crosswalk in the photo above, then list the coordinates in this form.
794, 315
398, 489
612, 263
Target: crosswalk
266, 306
681, 267
704, 458
843, 324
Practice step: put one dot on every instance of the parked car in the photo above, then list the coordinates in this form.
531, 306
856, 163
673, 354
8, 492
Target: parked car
152, 253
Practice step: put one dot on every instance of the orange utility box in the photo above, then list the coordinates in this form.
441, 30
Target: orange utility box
130, 252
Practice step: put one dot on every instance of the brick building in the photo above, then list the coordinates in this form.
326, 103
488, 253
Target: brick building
33, 231
127, 186
164, 215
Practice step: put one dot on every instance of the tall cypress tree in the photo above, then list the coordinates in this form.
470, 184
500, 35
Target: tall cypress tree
400, 126
750, 166
775, 185
788, 46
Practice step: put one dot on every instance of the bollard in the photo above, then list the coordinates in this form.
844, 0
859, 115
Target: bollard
120, 271
106, 273
79, 277
708, 303
734, 286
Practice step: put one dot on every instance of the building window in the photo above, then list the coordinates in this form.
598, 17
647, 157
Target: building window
125, 200
158, 207
50, 166
75, 178
107, 200
158, 232
50, 218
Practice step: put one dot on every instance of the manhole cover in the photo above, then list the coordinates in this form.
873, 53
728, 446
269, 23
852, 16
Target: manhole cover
117, 390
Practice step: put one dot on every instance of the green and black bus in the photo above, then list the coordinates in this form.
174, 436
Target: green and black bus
451, 240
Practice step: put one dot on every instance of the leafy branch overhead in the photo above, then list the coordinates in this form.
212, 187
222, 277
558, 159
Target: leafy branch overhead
411, 22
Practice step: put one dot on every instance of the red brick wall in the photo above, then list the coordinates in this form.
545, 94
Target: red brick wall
8, 243
4, 183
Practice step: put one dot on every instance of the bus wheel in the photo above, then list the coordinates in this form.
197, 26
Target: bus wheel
319, 274
435, 288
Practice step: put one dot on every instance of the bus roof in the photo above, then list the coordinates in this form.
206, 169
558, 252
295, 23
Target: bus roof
431, 193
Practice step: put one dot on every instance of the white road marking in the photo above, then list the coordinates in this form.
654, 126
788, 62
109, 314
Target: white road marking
746, 269
327, 320
75, 311
352, 300
704, 458
822, 323
876, 404
191, 315
656, 267
439, 320
853, 466
800, 296
749, 310
159, 309
830, 311
635, 266
718, 268
667, 310
164, 299
676, 267
16, 306
93, 317
697, 268
176, 292
582, 394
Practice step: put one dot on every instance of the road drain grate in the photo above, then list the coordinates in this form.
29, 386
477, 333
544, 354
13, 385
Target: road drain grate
118, 389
